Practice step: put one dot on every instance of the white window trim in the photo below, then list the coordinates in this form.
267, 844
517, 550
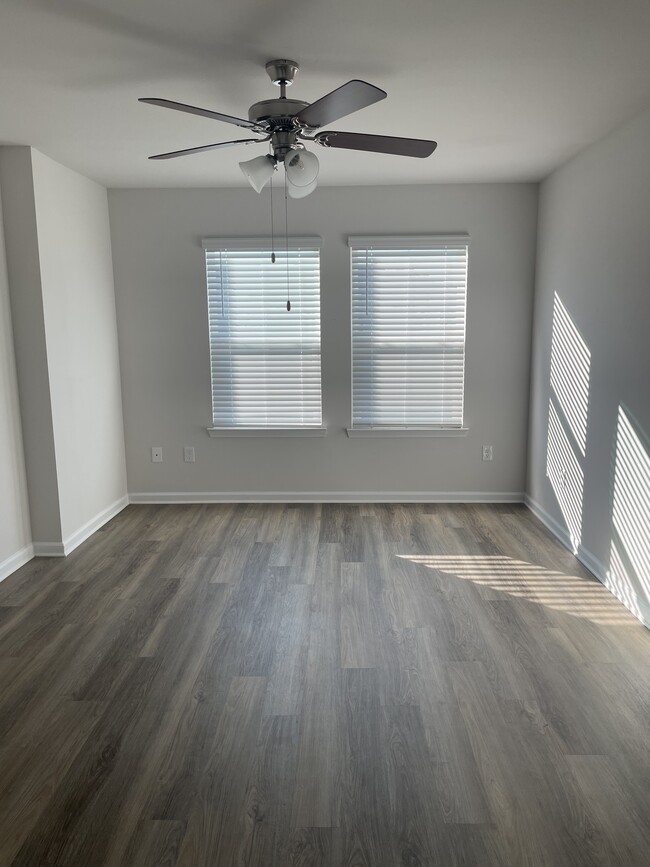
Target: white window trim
396, 432
407, 242
404, 242
217, 432
213, 245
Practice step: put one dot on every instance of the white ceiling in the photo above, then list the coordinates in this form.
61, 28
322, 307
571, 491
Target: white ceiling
509, 88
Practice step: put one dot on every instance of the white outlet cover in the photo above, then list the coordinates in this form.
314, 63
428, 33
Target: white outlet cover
188, 454
156, 454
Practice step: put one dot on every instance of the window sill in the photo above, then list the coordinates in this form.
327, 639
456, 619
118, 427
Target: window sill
406, 432
267, 431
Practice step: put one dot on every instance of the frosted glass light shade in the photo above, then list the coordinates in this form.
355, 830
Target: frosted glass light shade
301, 192
259, 171
301, 167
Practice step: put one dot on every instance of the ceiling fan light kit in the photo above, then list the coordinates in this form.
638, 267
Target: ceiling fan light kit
287, 123
301, 167
300, 192
258, 171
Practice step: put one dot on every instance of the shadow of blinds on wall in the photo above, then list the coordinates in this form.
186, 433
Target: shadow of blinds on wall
265, 360
408, 331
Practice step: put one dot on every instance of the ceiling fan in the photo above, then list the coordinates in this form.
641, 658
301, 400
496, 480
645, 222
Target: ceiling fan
287, 123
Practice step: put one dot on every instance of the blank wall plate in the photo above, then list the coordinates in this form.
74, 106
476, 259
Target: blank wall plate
188, 454
156, 454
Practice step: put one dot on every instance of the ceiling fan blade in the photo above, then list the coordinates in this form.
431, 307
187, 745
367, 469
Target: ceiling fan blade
203, 112
344, 100
381, 144
210, 147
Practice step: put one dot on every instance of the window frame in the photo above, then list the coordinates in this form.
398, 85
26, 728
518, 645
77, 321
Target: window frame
262, 244
406, 242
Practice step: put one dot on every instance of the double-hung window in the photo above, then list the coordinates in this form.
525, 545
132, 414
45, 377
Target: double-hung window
408, 334
265, 359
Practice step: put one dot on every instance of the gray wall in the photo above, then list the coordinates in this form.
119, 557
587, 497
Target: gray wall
65, 333
161, 308
15, 532
593, 255
28, 317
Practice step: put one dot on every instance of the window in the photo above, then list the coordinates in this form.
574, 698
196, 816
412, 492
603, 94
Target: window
265, 360
408, 333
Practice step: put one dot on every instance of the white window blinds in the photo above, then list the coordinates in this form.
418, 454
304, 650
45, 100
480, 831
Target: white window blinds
265, 360
408, 331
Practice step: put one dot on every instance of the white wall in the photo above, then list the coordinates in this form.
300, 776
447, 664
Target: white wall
24, 271
15, 531
63, 309
593, 253
162, 323
81, 333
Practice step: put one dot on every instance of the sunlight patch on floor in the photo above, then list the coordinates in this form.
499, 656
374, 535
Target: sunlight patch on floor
570, 594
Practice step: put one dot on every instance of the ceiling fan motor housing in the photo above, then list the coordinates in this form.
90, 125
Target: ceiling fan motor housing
277, 112
278, 116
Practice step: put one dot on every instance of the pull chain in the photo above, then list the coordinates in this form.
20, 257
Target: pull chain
366, 281
286, 236
272, 233
221, 278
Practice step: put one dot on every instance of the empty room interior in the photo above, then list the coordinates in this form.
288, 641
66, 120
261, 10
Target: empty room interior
324, 433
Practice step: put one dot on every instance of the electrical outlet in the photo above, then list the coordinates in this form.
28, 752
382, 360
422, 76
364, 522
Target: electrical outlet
188, 454
487, 453
156, 454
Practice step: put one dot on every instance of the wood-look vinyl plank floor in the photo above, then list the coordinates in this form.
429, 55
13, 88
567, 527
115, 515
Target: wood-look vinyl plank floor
295, 685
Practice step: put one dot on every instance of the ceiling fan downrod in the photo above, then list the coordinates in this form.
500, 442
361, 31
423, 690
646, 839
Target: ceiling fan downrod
282, 73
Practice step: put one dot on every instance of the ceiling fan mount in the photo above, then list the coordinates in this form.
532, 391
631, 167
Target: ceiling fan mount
282, 72
287, 123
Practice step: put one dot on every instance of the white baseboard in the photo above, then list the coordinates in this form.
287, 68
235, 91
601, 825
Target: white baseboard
327, 497
49, 549
75, 539
584, 555
15, 561
62, 549
560, 532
